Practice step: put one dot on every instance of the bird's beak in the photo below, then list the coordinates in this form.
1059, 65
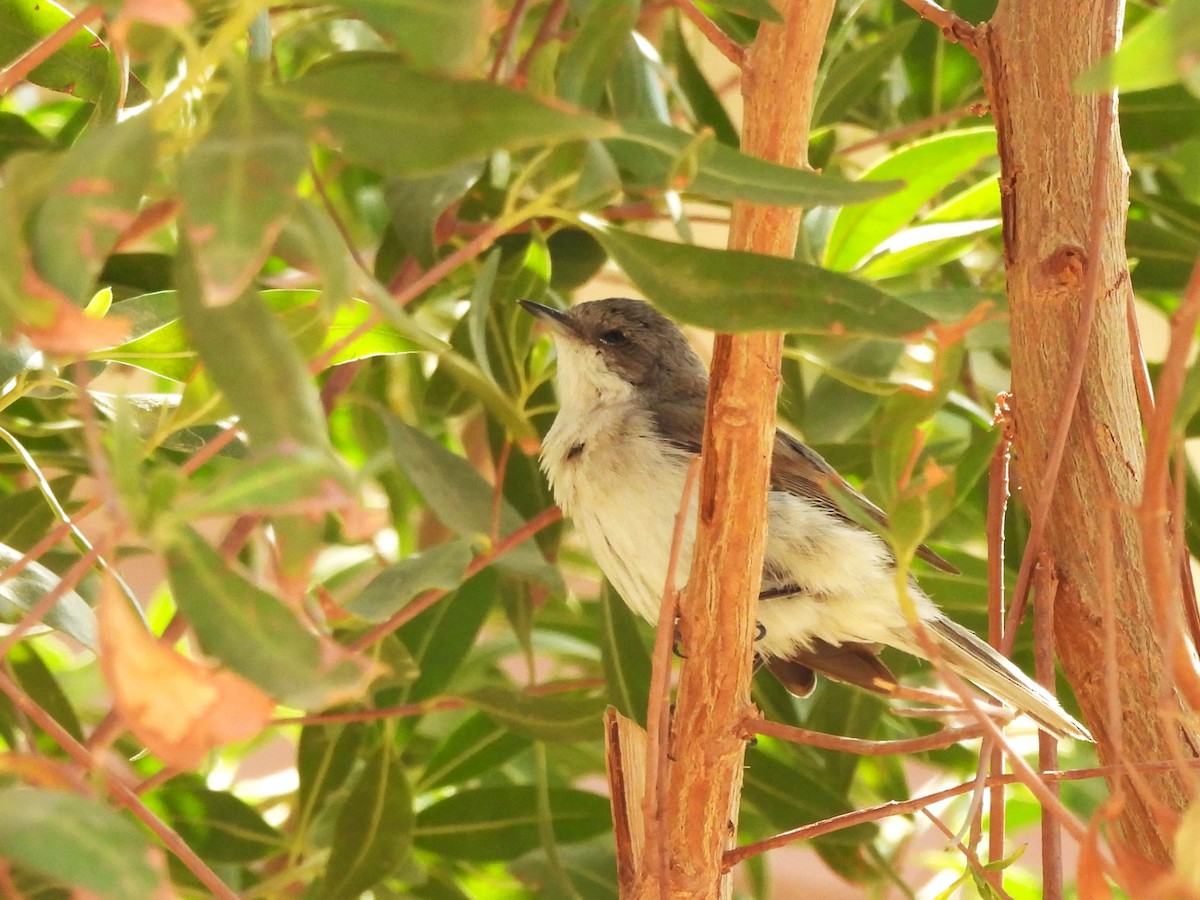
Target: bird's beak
558, 320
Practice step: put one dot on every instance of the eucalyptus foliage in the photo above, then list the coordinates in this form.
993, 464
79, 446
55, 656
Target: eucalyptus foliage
249, 229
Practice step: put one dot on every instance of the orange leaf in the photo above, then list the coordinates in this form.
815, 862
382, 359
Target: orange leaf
178, 708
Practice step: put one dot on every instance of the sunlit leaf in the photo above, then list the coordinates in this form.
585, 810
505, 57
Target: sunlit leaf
435, 35
1160, 50
927, 167
650, 151
83, 67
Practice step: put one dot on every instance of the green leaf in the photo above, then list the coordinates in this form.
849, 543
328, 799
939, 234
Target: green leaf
441, 566
39, 683
624, 656
788, 797
254, 634
732, 291
430, 35
856, 74
651, 152
462, 500
260, 486
237, 186
25, 516
1159, 50
374, 831
76, 841
71, 615
927, 166
217, 825
592, 54
83, 67
416, 204
500, 823
706, 104
99, 185
325, 757
159, 344
440, 638
544, 717
445, 122
476, 748
254, 362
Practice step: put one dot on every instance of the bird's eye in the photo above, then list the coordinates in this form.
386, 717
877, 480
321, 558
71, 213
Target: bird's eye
614, 337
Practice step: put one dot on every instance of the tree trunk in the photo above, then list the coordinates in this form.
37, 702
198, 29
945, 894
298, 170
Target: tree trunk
1031, 52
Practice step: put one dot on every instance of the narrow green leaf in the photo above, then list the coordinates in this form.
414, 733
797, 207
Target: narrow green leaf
445, 122
478, 314
476, 748
624, 656
43, 688
325, 757
440, 638
374, 831
71, 615
650, 152
25, 516
594, 50
462, 500
237, 186
706, 104
438, 567
159, 344
99, 185
501, 823
254, 634
82, 67
430, 35
252, 359
856, 74
1160, 50
217, 825
728, 290
788, 796
260, 485
76, 841
544, 717
416, 204
927, 167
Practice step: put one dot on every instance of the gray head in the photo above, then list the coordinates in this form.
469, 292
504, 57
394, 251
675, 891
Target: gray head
616, 347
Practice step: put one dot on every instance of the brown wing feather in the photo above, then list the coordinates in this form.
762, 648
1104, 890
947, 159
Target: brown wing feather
795, 468
854, 664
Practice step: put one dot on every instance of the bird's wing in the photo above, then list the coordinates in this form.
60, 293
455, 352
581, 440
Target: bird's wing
849, 663
795, 468
798, 469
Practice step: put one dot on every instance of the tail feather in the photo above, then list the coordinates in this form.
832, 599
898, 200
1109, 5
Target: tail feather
981, 664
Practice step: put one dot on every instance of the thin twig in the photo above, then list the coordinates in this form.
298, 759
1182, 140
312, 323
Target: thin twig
1043, 661
551, 21
723, 43
955, 29
993, 877
939, 740
929, 123
507, 38
542, 520
16, 71
120, 792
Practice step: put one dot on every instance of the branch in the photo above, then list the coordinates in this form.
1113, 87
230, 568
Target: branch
954, 28
727, 46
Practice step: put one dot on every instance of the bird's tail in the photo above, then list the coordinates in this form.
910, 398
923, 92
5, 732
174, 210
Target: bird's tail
981, 664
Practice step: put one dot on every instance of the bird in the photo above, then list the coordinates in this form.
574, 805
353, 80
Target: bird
632, 394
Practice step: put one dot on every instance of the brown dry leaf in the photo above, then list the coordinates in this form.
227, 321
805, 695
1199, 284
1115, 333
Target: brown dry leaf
178, 708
